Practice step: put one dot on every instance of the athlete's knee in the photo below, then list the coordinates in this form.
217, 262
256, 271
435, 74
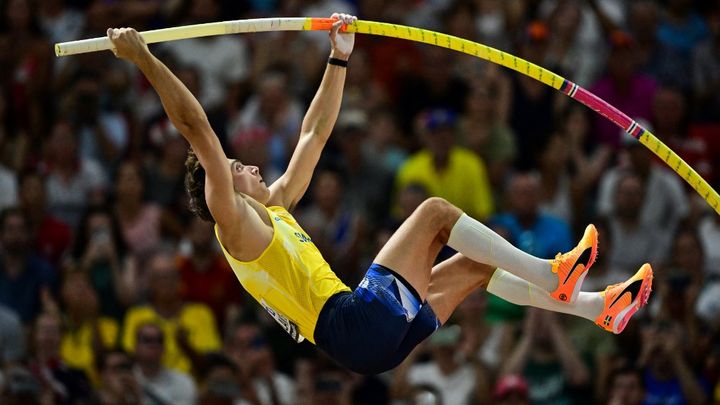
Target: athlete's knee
438, 213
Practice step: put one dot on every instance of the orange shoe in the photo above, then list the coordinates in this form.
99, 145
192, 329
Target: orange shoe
571, 267
624, 299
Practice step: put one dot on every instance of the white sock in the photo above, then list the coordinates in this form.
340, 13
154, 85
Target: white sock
511, 288
483, 245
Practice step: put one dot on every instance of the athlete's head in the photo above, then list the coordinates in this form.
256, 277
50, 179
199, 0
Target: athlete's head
246, 180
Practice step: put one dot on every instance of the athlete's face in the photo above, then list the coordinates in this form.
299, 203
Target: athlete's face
247, 180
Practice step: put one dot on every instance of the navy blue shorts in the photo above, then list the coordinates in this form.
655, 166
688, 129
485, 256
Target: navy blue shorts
374, 328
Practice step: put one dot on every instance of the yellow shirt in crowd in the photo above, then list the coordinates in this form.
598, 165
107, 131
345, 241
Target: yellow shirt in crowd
195, 318
76, 347
463, 182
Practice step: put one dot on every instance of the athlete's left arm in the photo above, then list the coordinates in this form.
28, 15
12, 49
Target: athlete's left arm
318, 122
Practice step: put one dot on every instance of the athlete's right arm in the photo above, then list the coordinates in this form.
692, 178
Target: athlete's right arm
188, 117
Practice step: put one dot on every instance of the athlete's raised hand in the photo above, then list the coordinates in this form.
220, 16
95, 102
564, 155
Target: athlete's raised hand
127, 43
342, 43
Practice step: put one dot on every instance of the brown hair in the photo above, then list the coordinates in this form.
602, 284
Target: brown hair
195, 186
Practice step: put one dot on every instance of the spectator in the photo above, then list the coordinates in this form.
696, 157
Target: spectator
68, 385
334, 226
447, 170
205, 275
222, 61
60, 22
706, 72
623, 87
547, 359
272, 386
12, 338
532, 105
679, 285
627, 387
511, 390
8, 182
454, 379
72, 182
484, 130
268, 125
165, 177
220, 381
635, 242
586, 163
103, 136
21, 387
527, 228
189, 328
141, 222
118, 385
100, 252
50, 237
681, 29
87, 334
382, 146
428, 86
23, 275
367, 185
671, 120
665, 204
158, 383
531, 230
669, 378
28, 70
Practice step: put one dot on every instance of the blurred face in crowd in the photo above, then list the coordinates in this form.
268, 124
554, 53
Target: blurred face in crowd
243, 338
273, 96
87, 100
32, 191
164, 278
523, 195
555, 155
688, 253
439, 141
566, 19
14, 233
48, 334
627, 389
201, 235
78, 295
18, 15
116, 373
622, 63
150, 345
129, 184
63, 144
203, 11
99, 224
629, 196
479, 102
577, 125
644, 18
668, 110
327, 192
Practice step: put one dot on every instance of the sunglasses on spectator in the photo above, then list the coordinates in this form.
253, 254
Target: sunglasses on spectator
154, 339
121, 366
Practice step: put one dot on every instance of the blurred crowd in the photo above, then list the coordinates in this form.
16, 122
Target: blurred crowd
111, 293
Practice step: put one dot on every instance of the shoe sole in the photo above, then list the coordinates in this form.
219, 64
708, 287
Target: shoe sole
622, 319
581, 279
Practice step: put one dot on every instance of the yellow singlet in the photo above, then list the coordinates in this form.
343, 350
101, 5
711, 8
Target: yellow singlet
290, 279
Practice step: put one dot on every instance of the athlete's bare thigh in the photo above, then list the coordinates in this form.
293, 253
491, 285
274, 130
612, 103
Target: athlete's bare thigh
413, 248
452, 281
